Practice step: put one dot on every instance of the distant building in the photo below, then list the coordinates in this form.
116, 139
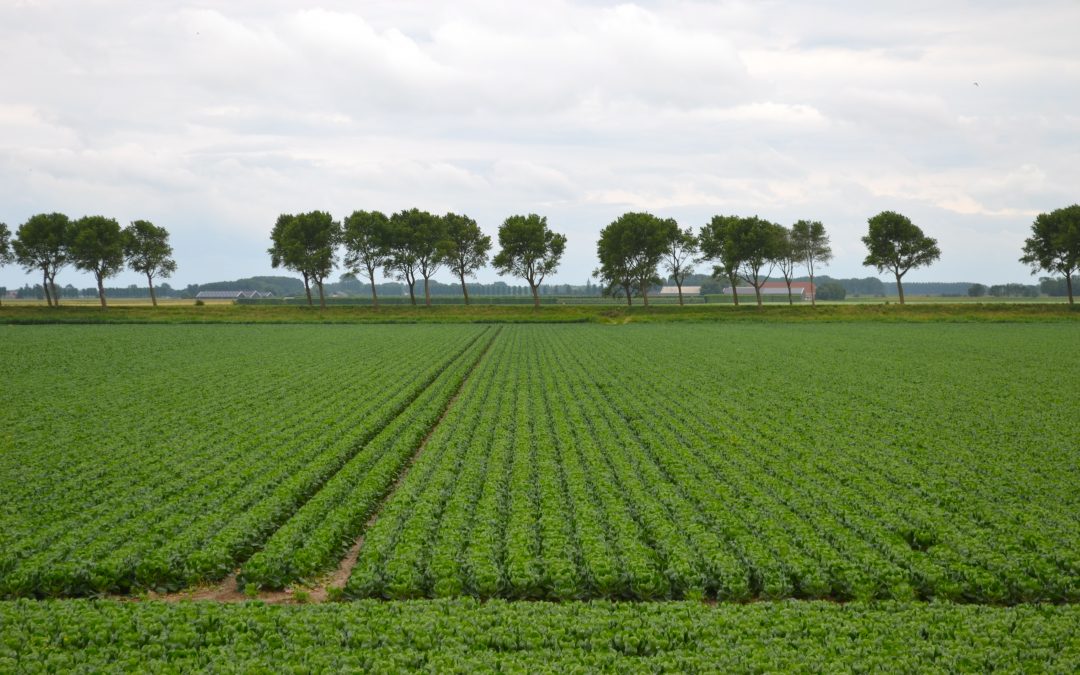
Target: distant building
674, 291
800, 290
231, 295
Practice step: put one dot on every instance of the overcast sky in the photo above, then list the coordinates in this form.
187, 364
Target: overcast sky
212, 118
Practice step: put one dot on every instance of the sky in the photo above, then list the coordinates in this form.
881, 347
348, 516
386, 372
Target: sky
212, 118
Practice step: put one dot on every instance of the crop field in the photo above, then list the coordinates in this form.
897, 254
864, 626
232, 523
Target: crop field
733, 462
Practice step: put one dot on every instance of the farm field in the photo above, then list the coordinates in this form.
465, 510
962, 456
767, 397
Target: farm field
709, 461
465, 636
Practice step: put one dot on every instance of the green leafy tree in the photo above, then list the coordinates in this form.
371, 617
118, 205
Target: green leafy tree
413, 248
97, 246
630, 249
365, 234
1054, 244
464, 247
680, 248
832, 290
6, 255
787, 259
529, 249
715, 245
896, 244
976, 290
758, 246
147, 251
809, 239
306, 243
41, 243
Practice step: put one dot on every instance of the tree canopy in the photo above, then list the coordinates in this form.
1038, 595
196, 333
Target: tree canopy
306, 243
1054, 244
680, 248
896, 244
147, 251
464, 247
716, 246
365, 235
97, 246
412, 244
810, 241
630, 250
42, 244
529, 249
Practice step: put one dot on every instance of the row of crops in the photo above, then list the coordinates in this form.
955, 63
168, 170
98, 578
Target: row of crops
738, 462
158, 457
720, 461
465, 636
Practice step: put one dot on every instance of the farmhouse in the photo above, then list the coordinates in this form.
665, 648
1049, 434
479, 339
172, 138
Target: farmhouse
673, 291
800, 290
231, 295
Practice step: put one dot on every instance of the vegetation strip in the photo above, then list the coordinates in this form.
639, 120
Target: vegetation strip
468, 636
603, 314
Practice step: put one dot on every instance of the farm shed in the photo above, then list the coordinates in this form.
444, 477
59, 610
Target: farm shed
803, 290
230, 295
673, 291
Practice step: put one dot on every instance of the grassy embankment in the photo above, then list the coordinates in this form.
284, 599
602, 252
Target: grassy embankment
228, 313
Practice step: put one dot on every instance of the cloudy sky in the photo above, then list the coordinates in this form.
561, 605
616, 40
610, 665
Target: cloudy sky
212, 118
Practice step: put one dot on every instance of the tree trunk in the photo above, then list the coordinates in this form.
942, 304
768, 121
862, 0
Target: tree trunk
813, 291
900, 288
629, 295
100, 289
645, 295
536, 295
734, 290
322, 299
1068, 285
789, 300
757, 293
412, 292
45, 287
464, 290
678, 285
374, 297
307, 290
55, 293
427, 293
150, 282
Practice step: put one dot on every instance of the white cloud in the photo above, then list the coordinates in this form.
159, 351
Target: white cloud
211, 118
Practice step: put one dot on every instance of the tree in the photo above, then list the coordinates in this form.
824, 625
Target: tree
97, 245
464, 247
1054, 244
681, 247
6, 255
788, 258
896, 244
831, 290
365, 234
630, 249
306, 243
147, 251
757, 243
808, 237
976, 290
529, 249
42, 244
715, 245
413, 248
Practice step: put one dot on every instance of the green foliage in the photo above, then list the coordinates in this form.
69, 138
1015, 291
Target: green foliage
1054, 244
529, 249
97, 245
464, 247
306, 243
630, 250
831, 290
896, 244
170, 454
977, 290
366, 238
412, 245
42, 244
147, 251
7, 256
464, 636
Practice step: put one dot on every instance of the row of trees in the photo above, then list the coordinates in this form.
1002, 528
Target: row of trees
412, 244
47, 242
